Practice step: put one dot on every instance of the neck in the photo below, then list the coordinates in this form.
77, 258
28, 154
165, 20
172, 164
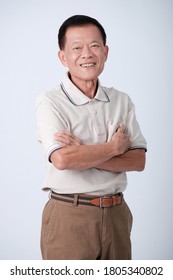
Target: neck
89, 88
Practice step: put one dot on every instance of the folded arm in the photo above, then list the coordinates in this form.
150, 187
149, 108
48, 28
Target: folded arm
132, 160
75, 156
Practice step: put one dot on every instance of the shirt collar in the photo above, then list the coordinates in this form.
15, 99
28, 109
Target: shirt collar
77, 97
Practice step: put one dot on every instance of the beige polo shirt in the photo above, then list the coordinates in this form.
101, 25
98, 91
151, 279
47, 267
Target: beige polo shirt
66, 108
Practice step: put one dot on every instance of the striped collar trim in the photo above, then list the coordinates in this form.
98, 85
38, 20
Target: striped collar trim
77, 97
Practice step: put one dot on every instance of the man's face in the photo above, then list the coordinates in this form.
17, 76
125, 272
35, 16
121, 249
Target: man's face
84, 53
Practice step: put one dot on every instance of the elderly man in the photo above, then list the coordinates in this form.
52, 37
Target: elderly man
91, 138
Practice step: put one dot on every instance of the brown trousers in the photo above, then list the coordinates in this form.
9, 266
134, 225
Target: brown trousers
85, 232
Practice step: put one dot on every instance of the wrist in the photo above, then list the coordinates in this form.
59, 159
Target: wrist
111, 150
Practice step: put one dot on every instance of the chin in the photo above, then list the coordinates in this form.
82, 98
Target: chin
90, 76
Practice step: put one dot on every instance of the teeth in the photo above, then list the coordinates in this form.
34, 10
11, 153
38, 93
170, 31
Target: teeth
87, 64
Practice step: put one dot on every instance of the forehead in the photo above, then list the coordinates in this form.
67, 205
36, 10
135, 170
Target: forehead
83, 32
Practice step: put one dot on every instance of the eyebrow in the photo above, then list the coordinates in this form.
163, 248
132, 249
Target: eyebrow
79, 41
76, 42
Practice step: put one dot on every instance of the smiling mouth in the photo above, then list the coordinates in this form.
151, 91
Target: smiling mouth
87, 65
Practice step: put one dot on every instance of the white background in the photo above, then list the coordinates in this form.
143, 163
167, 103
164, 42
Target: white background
140, 38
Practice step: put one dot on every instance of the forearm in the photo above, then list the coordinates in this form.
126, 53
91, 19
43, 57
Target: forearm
132, 160
83, 156
75, 156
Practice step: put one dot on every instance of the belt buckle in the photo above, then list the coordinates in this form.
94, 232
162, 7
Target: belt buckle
101, 201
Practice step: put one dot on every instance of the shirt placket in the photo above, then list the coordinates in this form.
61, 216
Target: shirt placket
97, 122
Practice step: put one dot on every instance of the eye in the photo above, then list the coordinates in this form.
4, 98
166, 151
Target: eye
95, 46
77, 48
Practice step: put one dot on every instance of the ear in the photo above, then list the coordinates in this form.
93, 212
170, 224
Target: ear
62, 58
106, 51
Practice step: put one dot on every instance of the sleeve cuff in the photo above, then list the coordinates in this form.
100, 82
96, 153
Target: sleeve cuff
51, 152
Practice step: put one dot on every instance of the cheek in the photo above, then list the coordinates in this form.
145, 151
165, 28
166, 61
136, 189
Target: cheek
103, 60
101, 55
71, 59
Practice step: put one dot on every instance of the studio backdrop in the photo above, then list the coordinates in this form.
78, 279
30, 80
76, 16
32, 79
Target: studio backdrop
140, 39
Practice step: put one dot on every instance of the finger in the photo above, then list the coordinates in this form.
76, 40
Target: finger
68, 137
68, 140
121, 128
63, 133
63, 139
62, 144
77, 141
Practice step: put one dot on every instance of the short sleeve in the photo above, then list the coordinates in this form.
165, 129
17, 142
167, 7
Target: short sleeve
133, 130
49, 121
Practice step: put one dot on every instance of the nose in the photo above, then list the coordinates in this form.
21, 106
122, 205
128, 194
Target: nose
86, 52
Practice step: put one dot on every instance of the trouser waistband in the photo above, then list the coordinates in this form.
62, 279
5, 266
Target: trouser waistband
102, 201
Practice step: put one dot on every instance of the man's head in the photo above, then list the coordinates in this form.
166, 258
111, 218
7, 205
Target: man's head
83, 48
78, 20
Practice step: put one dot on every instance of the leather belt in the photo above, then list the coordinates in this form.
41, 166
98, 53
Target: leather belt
103, 201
